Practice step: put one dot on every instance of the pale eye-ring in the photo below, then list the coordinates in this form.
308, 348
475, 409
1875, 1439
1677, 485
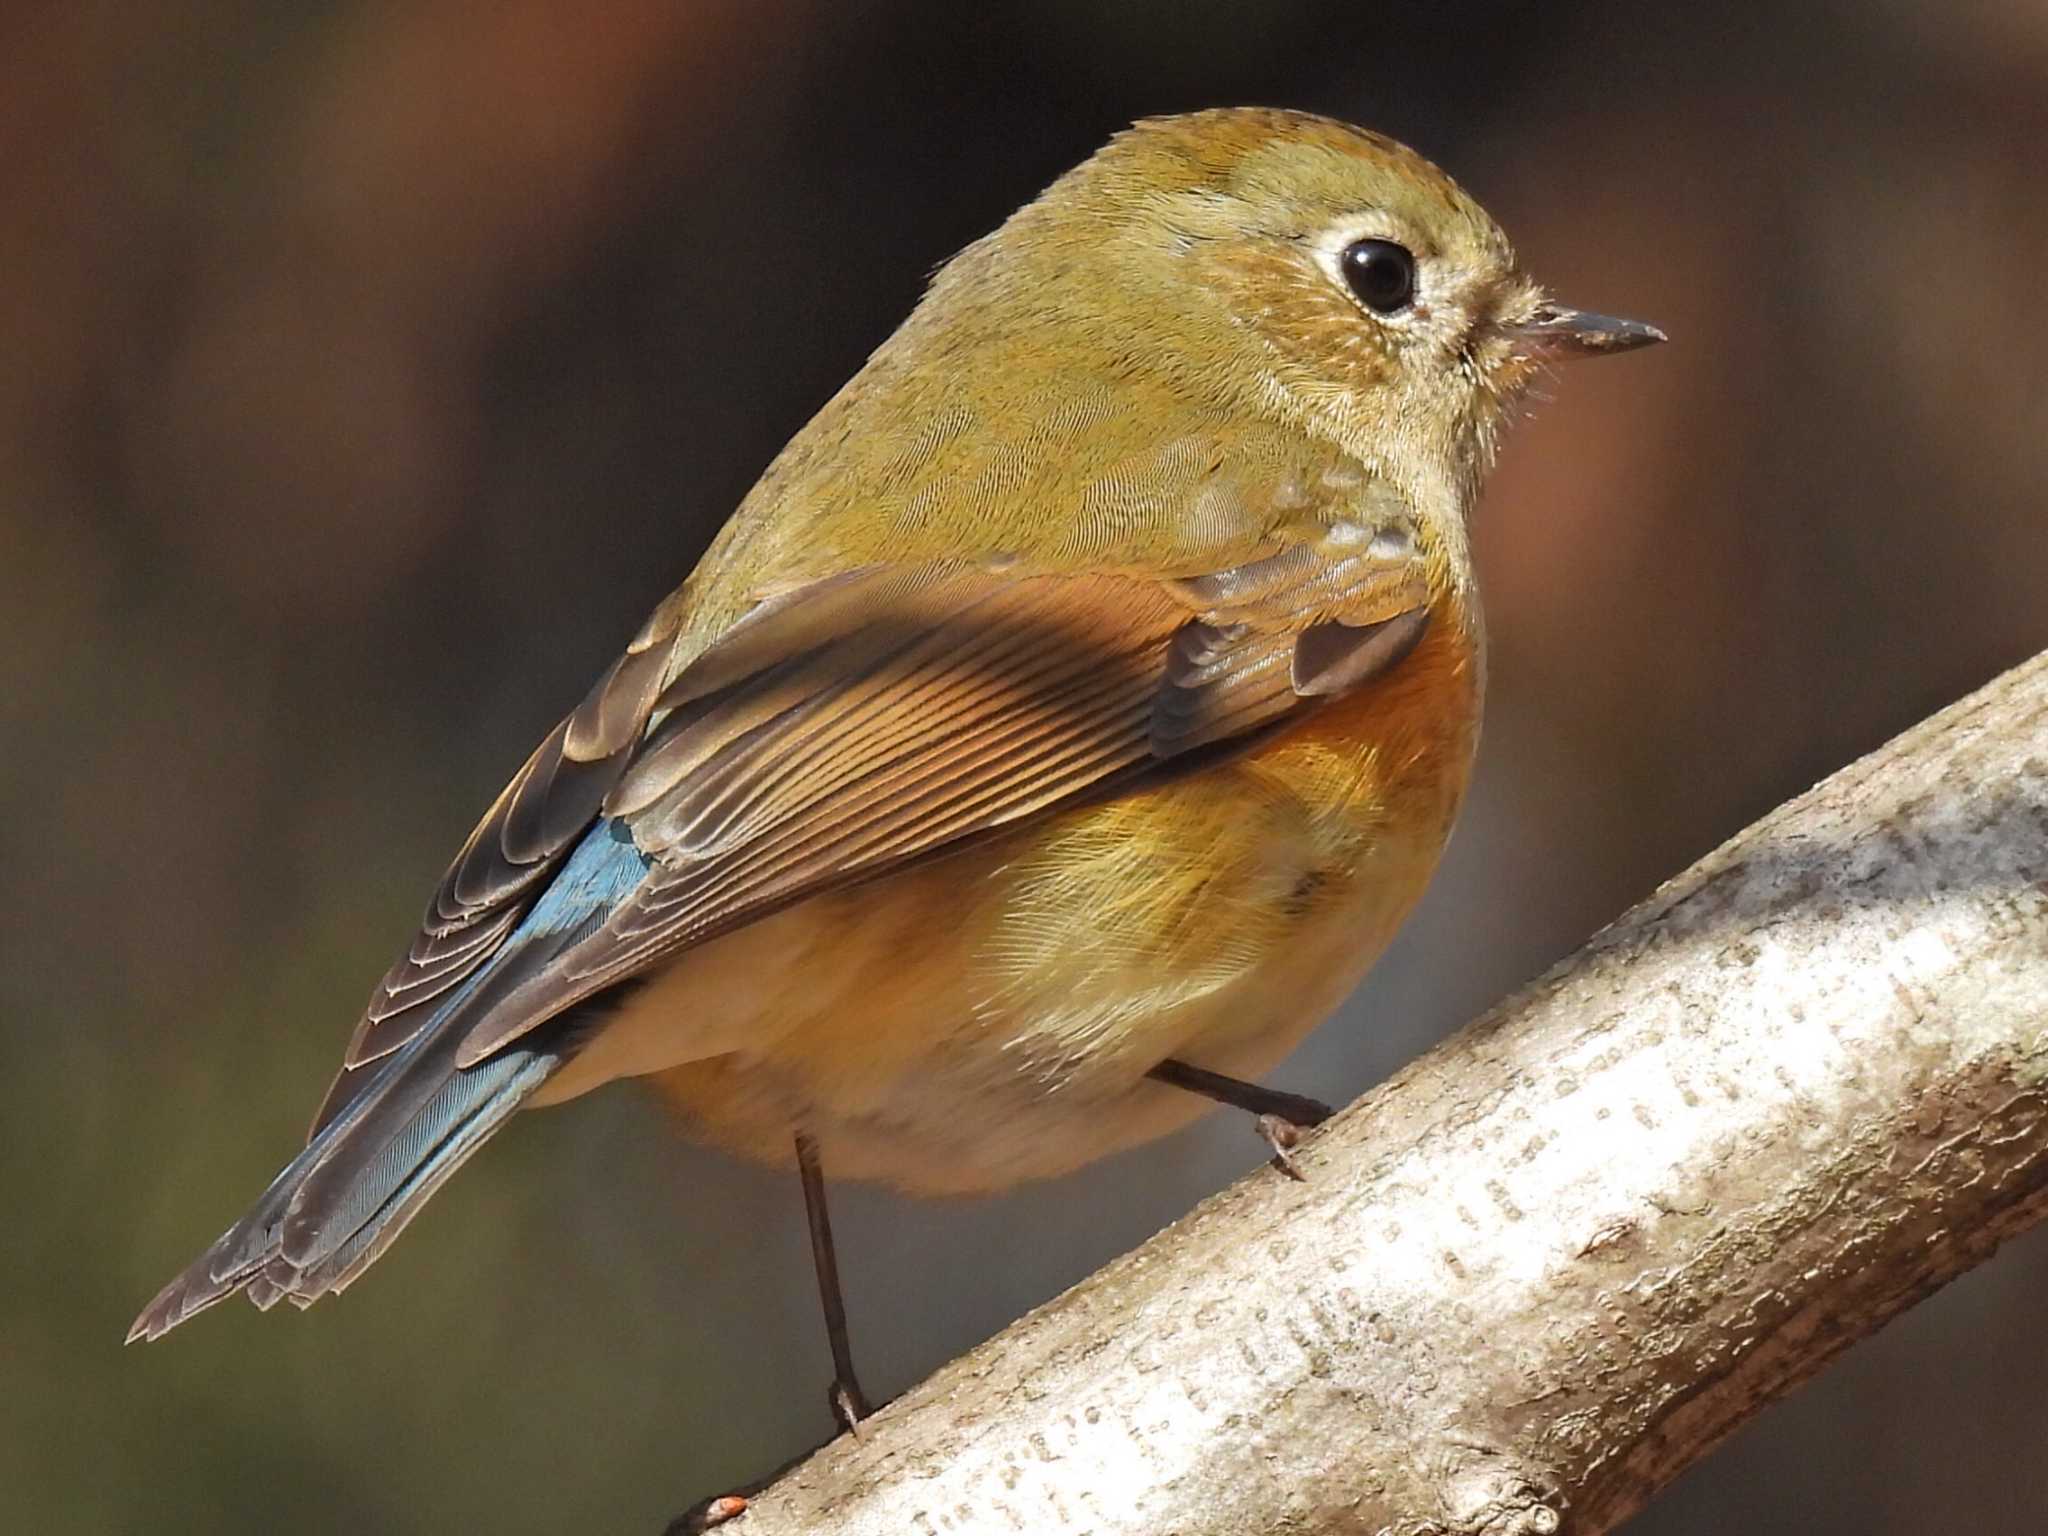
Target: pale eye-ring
1380, 273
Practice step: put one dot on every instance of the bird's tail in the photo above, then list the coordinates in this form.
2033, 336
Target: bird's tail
339, 1203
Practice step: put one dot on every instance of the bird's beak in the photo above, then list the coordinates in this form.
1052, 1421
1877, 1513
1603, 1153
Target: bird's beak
1557, 334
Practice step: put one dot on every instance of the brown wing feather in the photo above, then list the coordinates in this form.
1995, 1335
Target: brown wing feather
931, 706
505, 863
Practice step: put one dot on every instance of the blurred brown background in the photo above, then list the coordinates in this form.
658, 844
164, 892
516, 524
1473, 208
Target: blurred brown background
366, 370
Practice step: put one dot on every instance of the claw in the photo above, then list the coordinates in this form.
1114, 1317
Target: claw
707, 1515
849, 1407
1283, 1136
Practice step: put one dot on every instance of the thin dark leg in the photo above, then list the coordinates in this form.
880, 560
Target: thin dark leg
1280, 1116
849, 1404
1238, 1094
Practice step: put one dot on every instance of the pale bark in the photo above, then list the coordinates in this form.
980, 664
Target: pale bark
1547, 1267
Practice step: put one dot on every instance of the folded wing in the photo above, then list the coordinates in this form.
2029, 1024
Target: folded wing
846, 730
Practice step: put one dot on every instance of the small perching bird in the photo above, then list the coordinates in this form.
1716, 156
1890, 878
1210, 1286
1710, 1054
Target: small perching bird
1057, 731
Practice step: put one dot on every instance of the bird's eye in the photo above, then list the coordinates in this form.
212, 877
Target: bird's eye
1381, 273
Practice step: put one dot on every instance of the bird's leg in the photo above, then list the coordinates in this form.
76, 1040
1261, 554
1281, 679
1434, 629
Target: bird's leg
1280, 1117
849, 1404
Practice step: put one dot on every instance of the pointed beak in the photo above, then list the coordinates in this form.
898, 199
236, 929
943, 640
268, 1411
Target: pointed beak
1558, 334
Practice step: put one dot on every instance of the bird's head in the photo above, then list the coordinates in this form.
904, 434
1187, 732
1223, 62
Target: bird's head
1309, 268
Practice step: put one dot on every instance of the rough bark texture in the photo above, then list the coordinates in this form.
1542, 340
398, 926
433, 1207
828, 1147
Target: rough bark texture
1551, 1264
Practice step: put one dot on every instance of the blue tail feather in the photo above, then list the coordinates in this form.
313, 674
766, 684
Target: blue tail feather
338, 1204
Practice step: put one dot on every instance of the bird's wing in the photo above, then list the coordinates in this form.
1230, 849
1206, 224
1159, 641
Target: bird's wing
507, 862
858, 723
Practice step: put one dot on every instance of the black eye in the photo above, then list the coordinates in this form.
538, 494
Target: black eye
1381, 273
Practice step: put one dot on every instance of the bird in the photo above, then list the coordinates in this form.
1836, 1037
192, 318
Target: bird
1056, 732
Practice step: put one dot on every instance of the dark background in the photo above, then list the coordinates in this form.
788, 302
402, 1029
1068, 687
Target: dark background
367, 370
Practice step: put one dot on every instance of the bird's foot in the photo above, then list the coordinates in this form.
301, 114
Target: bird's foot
1283, 1136
849, 1404
1280, 1118
707, 1515
849, 1410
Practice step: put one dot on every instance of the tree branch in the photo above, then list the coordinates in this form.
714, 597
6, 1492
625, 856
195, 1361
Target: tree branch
1548, 1266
